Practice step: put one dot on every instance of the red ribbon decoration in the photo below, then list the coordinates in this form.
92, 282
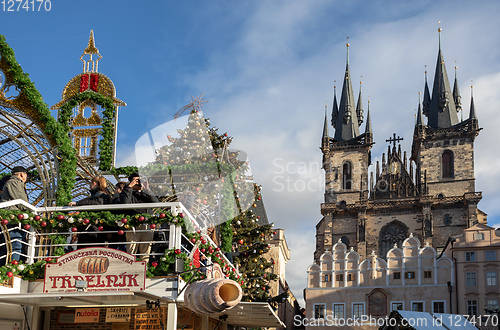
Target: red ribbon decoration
196, 258
84, 83
94, 81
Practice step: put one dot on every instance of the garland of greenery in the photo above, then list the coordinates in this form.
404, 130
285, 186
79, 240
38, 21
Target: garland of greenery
109, 113
66, 152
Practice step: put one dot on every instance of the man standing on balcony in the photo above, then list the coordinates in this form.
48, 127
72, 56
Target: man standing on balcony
15, 188
136, 191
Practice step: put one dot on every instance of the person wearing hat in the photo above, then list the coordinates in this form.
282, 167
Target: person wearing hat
15, 188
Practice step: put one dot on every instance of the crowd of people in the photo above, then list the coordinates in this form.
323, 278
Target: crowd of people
135, 241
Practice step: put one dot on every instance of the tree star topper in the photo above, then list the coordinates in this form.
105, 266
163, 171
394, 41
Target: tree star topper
195, 104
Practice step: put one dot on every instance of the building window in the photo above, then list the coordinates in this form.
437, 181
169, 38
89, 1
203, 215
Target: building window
447, 164
479, 236
85, 145
470, 279
490, 256
347, 176
491, 278
345, 240
358, 310
472, 307
417, 306
319, 311
327, 278
470, 256
397, 275
410, 275
338, 311
438, 307
339, 277
492, 302
397, 306
351, 277
427, 274
447, 220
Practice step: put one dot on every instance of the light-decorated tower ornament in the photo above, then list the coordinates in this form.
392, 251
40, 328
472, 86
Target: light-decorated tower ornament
89, 108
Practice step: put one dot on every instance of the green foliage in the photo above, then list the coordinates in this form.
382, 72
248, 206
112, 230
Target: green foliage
55, 131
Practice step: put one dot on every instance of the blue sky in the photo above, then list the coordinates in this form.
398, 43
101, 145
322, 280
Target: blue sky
267, 68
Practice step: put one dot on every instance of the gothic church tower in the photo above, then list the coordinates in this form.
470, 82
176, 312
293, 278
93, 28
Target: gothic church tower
431, 195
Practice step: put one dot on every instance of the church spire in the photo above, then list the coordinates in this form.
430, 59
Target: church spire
456, 93
90, 64
427, 97
472, 113
347, 126
325, 126
442, 112
420, 117
335, 107
368, 127
359, 106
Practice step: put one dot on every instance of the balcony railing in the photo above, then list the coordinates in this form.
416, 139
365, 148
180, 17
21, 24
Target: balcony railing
39, 245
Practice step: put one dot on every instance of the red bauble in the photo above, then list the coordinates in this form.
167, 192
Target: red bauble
73, 229
181, 215
20, 216
202, 250
60, 217
197, 189
5, 222
141, 218
217, 249
124, 220
162, 215
169, 136
154, 264
177, 251
193, 240
198, 231
205, 202
121, 232
10, 274
43, 223
37, 217
14, 262
153, 226
86, 221
100, 228
240, 241
49, 259
274, 233
27, 227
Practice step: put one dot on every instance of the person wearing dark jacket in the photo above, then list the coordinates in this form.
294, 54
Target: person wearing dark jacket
136, 192
99, 195
15, 188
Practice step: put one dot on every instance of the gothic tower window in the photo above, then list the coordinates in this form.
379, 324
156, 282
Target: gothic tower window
347, 176
447, 164
392, 233
345, 240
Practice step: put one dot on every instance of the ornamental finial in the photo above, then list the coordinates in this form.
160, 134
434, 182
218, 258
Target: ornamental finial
91, 64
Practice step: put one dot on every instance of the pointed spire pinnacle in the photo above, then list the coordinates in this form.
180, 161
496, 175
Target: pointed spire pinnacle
456, 93
359, 106
335, 107
420, 117
325, 126
427, 97
368, 128
439, 32
347, 45
472, 113
90, 65
347, 126
442, 112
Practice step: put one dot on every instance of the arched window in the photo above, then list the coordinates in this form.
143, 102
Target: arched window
392, 233
345, 240
447, 164
346, 176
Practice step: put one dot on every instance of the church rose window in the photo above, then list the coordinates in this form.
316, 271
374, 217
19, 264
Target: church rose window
447, 164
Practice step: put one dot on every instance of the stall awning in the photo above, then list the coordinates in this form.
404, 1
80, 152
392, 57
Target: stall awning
251, 314
81, 299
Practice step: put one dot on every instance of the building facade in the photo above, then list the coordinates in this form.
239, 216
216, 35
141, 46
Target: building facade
345, 286
476, 254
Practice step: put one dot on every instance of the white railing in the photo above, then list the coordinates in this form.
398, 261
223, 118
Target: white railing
38, 245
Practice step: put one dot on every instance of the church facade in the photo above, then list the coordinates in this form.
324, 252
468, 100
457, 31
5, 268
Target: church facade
429, 192
382, 230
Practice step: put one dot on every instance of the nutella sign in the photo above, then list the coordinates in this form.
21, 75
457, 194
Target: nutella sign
103, 269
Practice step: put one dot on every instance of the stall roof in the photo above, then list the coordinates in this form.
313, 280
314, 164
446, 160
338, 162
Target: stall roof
81, 299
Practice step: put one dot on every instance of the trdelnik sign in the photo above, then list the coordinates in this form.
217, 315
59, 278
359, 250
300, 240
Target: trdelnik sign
103, 269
